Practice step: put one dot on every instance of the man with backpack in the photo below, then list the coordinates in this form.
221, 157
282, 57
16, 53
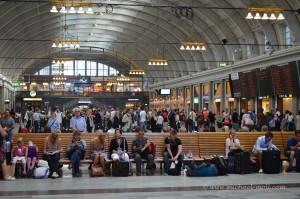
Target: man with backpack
140, 148
173, 152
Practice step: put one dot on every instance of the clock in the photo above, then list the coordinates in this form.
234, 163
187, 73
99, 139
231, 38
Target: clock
32, 93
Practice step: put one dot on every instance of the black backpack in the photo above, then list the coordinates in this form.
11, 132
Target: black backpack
220, 164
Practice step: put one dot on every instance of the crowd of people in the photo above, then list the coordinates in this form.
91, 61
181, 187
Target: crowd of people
181, 120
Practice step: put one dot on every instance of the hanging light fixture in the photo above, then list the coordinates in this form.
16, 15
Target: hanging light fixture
257, 16
72, 10
80, 10
272, 17
194, 46
77, 46
249, 16
54, 10
265, 10
63, 9
265, 17
158, 62
53, 45
65, 3
90, 11
280, 17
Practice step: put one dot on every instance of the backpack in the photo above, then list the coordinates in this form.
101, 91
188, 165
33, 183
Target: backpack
152, 149
171, 116
180, 117
226, 120
204, 170
220, 164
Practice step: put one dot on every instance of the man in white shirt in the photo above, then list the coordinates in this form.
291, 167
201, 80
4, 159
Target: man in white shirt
263, 143
58, 116
143, 120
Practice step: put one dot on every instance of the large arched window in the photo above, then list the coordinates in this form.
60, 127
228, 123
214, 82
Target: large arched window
79, 67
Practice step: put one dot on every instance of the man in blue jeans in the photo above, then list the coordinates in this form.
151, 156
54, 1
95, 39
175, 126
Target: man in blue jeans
76, 150
173, 152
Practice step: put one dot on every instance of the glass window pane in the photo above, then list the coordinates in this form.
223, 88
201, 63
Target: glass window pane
68, 68
80, 67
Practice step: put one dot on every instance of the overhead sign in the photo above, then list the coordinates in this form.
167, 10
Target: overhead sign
16, 84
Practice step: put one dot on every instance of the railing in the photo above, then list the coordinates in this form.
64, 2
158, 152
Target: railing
22, 94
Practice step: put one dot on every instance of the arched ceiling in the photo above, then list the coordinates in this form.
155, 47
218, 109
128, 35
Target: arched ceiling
130, 34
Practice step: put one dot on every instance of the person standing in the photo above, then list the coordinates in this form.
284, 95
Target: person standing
298, 121
143, 121
127, 121
89, 121
37, 116
8, 123
3, 163
77, 122
59, 116
235, 120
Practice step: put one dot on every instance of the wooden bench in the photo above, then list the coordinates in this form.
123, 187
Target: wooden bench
213, 143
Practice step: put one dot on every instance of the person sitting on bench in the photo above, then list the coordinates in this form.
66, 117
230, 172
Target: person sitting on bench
173, 152
98, 150
140, 149
263, 143
118, 147
4, 166
52, 150
76, 150
291, 148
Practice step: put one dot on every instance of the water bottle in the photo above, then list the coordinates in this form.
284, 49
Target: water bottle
7, 147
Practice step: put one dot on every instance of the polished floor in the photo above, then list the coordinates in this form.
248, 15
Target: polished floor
284, 185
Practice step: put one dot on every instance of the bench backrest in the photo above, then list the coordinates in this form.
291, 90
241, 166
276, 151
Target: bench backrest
213, 143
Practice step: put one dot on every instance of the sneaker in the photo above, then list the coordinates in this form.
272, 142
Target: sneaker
70, 167
10, 178
54, 175
165, 174
260, 171
138, 174
24, 172
77, 175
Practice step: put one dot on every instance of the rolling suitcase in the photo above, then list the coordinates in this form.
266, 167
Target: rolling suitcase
120, 169
242, 164
271, 161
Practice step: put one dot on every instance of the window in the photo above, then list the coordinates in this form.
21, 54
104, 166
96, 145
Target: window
248, 52
80, 68
91, 68
45, 71
266, 45
84, 68
288, 40
68, 68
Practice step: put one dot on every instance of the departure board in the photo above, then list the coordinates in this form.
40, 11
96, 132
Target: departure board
248, 82
265, 82
285, 78
235, 86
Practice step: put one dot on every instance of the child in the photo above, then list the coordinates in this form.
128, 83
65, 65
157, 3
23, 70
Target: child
31, 152
20, 154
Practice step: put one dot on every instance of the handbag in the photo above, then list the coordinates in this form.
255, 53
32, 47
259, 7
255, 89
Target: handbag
43, 163
96, 171
41, 172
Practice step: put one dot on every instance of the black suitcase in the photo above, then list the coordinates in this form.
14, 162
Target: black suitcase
271, 162
120, 169
242, 163
220, 164
230, 164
